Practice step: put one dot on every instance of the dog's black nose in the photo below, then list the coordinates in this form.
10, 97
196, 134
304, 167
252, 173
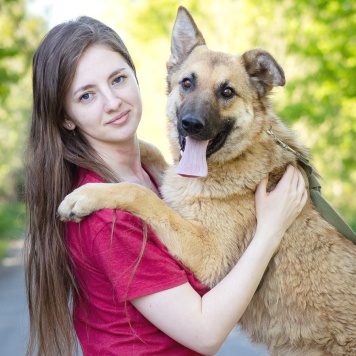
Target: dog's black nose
192, 125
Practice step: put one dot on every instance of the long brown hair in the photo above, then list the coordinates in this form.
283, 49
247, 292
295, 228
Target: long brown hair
52, 158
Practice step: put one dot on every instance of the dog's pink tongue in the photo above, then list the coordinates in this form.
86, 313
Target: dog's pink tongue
193, 161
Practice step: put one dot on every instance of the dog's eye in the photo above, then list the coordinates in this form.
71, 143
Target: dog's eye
186, 83
227, 92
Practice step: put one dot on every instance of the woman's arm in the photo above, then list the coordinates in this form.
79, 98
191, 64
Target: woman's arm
203, 323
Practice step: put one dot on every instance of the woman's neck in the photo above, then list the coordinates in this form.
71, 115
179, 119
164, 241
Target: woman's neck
125, 162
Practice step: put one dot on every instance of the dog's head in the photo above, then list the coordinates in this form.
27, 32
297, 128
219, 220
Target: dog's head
216, 101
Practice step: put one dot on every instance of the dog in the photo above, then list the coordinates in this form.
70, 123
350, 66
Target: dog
223, 133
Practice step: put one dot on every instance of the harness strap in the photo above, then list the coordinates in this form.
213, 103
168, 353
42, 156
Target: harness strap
324, 208
321, 205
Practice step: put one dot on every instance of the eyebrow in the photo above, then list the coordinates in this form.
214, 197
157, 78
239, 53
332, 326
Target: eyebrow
88, 86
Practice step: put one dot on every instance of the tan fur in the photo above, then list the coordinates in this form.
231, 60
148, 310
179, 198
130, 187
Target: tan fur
306, 304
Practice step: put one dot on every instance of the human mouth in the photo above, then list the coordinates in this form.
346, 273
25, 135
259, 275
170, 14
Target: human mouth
119, 119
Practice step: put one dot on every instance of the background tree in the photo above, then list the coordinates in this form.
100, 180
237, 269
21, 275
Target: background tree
19, 34
320, 98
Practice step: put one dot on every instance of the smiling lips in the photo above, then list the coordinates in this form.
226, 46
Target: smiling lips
120, 119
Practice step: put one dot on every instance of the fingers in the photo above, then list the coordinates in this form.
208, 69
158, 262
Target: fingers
300, 188
262, 187
292, 183
291, 176
297, 179
305, 191
304, 197
301, 185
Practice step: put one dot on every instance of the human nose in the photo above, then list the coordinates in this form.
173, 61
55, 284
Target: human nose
112, 101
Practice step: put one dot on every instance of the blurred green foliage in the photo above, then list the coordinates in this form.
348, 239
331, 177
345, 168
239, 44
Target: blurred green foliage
314, 42
19, 34
12, 221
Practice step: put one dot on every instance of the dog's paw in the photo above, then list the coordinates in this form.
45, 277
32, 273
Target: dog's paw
78, 204
72, 208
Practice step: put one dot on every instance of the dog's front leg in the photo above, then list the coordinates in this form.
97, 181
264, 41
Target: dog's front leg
185, 240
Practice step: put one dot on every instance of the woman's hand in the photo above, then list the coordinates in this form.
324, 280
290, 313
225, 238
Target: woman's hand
276, 210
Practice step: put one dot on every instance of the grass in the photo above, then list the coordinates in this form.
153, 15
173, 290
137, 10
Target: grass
12, 224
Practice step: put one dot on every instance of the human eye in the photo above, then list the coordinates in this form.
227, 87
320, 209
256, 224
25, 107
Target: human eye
119, 79
85, 97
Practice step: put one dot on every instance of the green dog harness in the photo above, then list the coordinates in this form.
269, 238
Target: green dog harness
321, 205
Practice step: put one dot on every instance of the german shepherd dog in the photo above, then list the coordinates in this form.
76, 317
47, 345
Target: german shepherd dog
220, 122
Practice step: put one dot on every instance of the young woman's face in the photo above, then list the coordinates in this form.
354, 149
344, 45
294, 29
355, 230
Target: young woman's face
104, 100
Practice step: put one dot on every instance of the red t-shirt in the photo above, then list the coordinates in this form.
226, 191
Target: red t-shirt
104, 256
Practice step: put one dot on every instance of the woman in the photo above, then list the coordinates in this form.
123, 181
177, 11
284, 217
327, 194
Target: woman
124, 296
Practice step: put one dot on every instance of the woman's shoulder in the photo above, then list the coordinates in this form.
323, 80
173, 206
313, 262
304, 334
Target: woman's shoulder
104, 230
104, 218
109, 219
85, 176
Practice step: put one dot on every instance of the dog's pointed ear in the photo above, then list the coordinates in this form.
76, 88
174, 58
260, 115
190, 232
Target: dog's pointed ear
263, 70
185, 37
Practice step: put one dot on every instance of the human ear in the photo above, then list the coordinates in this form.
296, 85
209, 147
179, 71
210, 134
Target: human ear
68, 124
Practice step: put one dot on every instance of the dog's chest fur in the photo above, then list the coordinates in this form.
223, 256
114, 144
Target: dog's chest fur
228, 193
